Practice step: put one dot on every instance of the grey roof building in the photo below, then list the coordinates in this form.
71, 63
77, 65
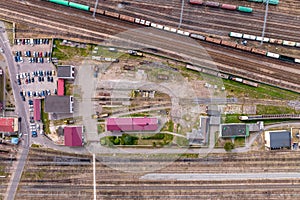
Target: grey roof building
59, 104
234, 130
278, 139
65, 72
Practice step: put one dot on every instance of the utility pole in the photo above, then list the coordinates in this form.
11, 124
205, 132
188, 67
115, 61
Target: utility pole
96, 4
265, 22
181, 13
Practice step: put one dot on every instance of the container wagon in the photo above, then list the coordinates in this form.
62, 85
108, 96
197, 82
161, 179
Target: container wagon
236, 35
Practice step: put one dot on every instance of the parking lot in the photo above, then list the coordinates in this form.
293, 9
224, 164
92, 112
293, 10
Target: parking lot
36, 74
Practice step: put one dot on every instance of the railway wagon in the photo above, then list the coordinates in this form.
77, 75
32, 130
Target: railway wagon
127, 18
228, 43
191, 67
209, 71
273, 2
265, 39
222, 75
79, 6
99, 11
275, 41
256, 1
250, 83
249, 37
196, 2
288, 43
259, 51
236, 35
273, 55
112, 14
196, 36
297, 60
242, 47
228, 7
212, 4
245, 9
61, 2
213, 40
286, 58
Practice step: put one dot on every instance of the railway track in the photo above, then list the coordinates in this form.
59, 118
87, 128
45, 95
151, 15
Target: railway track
80, 24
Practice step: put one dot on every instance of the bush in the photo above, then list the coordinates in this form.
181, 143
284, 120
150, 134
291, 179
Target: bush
228, 146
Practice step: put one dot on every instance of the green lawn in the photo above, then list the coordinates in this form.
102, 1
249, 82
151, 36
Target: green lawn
45, 118
266, 109
232, 118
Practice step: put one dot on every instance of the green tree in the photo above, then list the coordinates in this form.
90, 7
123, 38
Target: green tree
228, 146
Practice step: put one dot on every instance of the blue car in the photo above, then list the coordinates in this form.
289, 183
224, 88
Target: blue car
34, 134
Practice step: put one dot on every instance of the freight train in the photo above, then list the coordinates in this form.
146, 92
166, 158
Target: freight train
180, 32
221, 75
270, 40
222, 6
272, 2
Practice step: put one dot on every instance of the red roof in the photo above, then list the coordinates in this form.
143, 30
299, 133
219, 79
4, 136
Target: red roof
60, 87
73, 136
37, 109
7, 125
132, 124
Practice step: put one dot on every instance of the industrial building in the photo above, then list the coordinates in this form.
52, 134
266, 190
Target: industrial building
132, 124
60, 87
37, 109
9, 125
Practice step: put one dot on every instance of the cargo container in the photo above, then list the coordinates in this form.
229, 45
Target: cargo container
237, 79
256, 1
212, 4
196, 36
191, 67
79, 6
228, 7
61, 2
213, 40
288, 43
297, 60
197, 2
228, 43
272, 2
159, 26
245, 9
297, 44
236, 35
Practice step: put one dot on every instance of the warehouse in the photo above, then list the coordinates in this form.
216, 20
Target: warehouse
65, 72
278, 139
59, 104
73, 136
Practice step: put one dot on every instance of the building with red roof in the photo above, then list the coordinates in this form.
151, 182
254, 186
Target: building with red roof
73, 136
37, 109
8, 124
60, 87
132, 124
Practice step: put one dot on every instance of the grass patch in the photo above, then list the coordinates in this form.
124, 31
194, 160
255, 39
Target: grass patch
62, 52
169, 126
266, 109
232, 118
100, 128
235, 89
10, 35
239, 142
68, 88
45, 118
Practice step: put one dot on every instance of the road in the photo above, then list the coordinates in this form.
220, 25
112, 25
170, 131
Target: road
20, 110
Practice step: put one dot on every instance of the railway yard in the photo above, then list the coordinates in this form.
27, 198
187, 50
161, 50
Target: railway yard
161, 99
